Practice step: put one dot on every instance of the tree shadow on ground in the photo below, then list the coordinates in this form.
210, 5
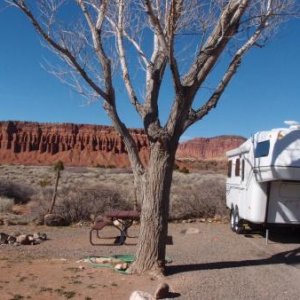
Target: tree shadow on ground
288, 257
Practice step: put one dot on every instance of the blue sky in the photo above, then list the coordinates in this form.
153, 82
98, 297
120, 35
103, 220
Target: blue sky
264, 93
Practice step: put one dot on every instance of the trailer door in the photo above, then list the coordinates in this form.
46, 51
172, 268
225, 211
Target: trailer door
284, 203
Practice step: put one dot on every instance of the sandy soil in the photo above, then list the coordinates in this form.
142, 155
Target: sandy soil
211, 263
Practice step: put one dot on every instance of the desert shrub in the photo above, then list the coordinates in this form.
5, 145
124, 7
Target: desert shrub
111, 166
76, 204
40, 202
184, 170
79, 204
44, 182
99, 166
6, 204
19, 192
202, 199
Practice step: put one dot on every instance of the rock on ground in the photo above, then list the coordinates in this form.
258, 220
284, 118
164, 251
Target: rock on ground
162, 291
54, 220
190, 231
140, 295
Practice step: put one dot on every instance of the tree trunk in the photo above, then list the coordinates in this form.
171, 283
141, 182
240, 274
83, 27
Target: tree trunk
156, 184
54, 193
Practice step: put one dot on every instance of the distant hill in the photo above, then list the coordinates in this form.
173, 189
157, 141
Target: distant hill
32, 143
208, 148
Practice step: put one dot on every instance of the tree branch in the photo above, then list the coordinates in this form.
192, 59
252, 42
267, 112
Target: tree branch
225, 28
126, 76
154, 78
154, 75
174, 15
130, 144
98, 47
212, 102
154, 21
135, 44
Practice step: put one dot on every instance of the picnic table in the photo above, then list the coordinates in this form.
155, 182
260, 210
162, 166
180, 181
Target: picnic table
120, 219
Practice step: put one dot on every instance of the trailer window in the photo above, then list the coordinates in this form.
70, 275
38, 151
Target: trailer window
262, 149
229, 167
237, 167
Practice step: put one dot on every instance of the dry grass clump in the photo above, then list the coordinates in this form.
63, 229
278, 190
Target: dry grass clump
6, 204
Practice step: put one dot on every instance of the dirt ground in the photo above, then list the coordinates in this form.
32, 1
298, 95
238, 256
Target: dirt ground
210, 262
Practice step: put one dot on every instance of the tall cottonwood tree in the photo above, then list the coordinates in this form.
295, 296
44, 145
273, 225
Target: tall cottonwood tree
184, 38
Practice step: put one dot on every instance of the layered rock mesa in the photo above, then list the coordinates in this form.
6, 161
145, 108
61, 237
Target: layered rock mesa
208, 148
91, 145
75, 144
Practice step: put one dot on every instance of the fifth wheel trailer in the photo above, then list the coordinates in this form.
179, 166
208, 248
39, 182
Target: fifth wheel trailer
263, 183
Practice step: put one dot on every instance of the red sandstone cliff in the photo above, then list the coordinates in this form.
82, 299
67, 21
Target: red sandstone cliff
79, 145
208, 148
90, 145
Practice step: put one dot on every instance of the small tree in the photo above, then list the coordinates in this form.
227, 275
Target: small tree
58, 167
185, 37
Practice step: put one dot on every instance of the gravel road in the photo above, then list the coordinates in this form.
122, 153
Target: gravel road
210, 263
218, 264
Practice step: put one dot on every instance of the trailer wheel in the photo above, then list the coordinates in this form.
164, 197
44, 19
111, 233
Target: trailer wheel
238, 223
232, 219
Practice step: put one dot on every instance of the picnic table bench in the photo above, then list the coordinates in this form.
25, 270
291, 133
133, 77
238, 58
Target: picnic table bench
120, 219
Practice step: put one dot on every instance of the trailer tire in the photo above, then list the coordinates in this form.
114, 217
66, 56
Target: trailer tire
238, 223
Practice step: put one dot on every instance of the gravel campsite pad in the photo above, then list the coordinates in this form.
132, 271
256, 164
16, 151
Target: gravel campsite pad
206, 261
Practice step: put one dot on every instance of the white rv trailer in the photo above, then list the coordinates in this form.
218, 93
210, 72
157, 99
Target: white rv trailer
263, 184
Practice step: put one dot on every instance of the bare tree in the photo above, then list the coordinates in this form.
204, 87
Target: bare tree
186, 37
